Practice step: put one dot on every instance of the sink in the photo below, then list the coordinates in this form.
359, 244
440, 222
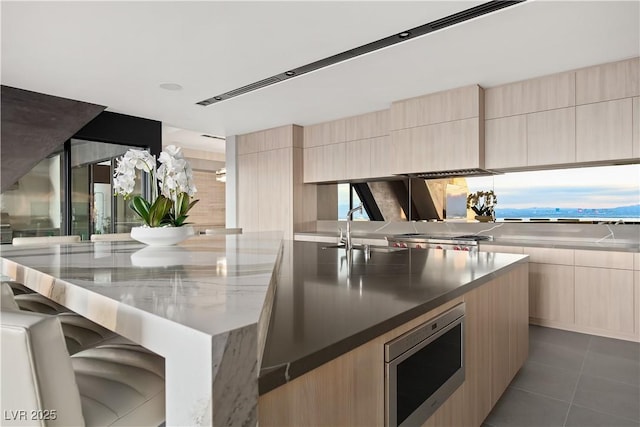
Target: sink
385, 249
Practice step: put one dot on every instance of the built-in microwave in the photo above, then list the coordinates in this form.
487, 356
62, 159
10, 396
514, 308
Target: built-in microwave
423, 367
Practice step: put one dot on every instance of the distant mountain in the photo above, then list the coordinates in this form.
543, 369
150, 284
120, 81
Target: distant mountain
632, 211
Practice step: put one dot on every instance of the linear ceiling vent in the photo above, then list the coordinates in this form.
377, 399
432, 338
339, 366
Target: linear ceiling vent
213, 137
437, 25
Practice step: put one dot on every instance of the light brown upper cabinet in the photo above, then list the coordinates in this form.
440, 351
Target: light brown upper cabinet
343, 149
551, 137
604, 131
438, 132
368, 125
539, 94
325, 133
506, 142
607, 82
455, 104
325, 163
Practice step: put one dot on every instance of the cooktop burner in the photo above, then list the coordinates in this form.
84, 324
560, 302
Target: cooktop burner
473, 237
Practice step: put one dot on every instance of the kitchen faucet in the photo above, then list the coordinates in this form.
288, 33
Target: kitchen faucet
347, 239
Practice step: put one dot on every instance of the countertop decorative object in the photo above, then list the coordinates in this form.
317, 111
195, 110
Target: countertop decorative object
166, 211
483, 203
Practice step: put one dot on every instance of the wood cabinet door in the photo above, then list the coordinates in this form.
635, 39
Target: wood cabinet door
551, 137
528, 96
275, 187
605, 299
325, 163
505, 144
312, 163
551, 293
247, 192
358, 159
604, 131
605, 82
383, 156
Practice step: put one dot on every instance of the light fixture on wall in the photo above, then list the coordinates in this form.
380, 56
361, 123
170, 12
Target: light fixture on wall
221, 175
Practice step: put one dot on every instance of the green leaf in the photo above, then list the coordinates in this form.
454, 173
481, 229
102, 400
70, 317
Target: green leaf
159, 211
141, 207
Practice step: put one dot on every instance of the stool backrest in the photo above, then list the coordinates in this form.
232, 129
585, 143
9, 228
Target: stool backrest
113, 237
44, 240
37, 375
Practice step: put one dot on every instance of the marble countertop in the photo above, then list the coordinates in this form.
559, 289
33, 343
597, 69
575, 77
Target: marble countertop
210, 284
198, 304
327, 304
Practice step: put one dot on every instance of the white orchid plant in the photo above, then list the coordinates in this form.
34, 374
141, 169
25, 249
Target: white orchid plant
174, 179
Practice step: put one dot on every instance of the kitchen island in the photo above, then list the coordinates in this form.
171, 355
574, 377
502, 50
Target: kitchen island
323, 362
197, 304
205, 305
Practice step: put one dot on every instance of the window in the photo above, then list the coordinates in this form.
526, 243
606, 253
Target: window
347, 200
608, 193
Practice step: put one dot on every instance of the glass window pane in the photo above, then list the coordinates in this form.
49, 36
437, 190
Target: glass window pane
33, 205
607, 193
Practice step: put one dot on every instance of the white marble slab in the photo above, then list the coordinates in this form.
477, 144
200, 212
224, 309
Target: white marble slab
197, 304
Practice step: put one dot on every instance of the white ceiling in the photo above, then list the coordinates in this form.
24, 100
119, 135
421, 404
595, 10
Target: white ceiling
118, 53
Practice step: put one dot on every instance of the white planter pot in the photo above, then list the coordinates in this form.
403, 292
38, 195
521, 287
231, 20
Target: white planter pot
161, 236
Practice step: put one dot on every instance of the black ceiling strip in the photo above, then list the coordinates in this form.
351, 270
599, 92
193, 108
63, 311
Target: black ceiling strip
437, 25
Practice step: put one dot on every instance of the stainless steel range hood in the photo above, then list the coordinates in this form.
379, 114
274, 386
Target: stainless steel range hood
452, 173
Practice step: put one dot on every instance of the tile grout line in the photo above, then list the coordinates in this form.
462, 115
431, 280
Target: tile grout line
575, 389
606, 413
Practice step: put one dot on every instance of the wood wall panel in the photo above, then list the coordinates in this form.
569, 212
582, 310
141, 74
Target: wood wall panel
446, 106
604, 131
368, 125
477, 353
605, 299
505, 142
551, 137
552, 293
247, 192
605, 259
539, 94
210, 210
610, 81
550, 255
275, 187
325, 133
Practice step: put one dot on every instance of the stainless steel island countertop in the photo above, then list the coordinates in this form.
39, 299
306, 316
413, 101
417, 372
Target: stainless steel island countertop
328, 303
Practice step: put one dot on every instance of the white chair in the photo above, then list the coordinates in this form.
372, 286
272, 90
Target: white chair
116, 385
44, 240
113, 237
214, 231
80, 333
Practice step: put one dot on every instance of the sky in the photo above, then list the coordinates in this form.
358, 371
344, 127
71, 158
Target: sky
595, 187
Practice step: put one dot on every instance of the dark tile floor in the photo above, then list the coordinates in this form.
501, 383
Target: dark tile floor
575, 380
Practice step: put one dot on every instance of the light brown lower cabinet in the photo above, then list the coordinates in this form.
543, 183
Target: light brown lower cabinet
588, 291
551, 293
349, 390
605, 300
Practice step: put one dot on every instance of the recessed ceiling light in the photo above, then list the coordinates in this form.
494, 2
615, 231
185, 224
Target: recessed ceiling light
404, 34
290, 73
171, 86
217, 98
